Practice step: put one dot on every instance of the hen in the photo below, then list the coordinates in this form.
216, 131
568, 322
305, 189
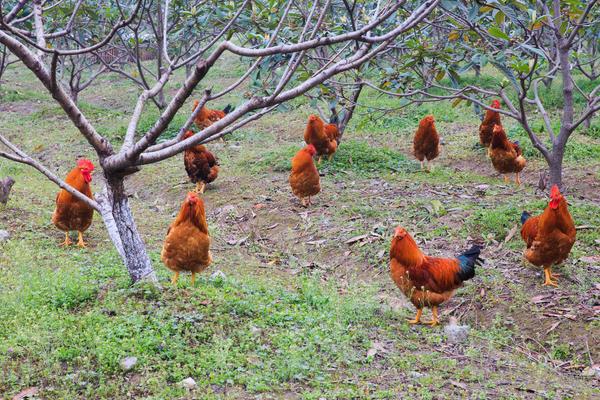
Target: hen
549, 236
72, 214
5, 186
322, 136
506, 156
428, 281
304, 178
200, 164
426, 143
491, 119
187, 245
206, 117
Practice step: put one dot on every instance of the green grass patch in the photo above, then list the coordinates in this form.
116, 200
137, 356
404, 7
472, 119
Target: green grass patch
352, 155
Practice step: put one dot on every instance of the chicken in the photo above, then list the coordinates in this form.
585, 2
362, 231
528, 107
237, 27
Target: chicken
322, 137
426, 143
206, 117
428, 281
506, 156
200, 164
304, 178
5, 186
549, 236
187, 245
72, 214
486, 128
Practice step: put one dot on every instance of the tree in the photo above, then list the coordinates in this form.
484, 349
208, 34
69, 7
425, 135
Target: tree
287, 43
528, 43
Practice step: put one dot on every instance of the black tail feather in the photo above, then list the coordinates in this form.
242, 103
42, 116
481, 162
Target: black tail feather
228, 108
468, 261
524, 217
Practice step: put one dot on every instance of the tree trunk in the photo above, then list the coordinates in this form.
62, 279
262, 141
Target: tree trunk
123, 231
555, 163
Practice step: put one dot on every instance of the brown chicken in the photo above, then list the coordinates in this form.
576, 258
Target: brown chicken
549, 236
72, 214
506, 156
322, 137
486, 128
206, 117
428, 281
304, 178
200, 164
187, 245
426, 143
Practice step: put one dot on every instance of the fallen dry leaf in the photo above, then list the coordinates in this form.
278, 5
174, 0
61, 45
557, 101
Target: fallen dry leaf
32, 391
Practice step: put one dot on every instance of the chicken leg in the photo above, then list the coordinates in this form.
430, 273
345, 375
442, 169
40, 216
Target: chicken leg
193, 278
174, 278
417, 317
200, 187
80, 242
518, 180
67, 241
549, 276
506, 179
422, 166
330, 157
434, 317
319, 160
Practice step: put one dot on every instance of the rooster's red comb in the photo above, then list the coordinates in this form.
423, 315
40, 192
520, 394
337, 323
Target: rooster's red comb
554, 192
85, 163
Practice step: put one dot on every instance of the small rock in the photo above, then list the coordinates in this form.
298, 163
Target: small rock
415, 374
456, 333
4, 235
128, 363
594, 370
218, 275
189, 383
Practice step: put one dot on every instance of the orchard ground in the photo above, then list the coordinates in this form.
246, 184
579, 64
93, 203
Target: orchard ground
305, 308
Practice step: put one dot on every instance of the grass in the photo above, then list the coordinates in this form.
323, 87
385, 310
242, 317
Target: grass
300, 313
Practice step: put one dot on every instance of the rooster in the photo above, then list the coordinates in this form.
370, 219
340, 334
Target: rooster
506, 156
549, 236
428, 281
72, 214
5, 186
206, 117
322, 136
187, 245
491, 119
304, 177
426, 143
200, 164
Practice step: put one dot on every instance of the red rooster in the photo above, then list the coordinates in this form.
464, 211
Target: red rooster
549, 236
428, 281
486, 128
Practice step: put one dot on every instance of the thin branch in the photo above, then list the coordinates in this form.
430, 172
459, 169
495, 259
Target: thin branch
23, 158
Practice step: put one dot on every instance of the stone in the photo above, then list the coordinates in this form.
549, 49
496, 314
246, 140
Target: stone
128, 363
456, 333
189, 383
4, 235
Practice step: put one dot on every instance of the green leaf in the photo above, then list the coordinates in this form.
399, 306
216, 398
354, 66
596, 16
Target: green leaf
497, 33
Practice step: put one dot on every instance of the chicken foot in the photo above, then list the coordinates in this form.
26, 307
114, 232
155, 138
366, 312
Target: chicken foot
193, 278
549, 276
417, 317
67, 241
80, 242
434, 317
518, 180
